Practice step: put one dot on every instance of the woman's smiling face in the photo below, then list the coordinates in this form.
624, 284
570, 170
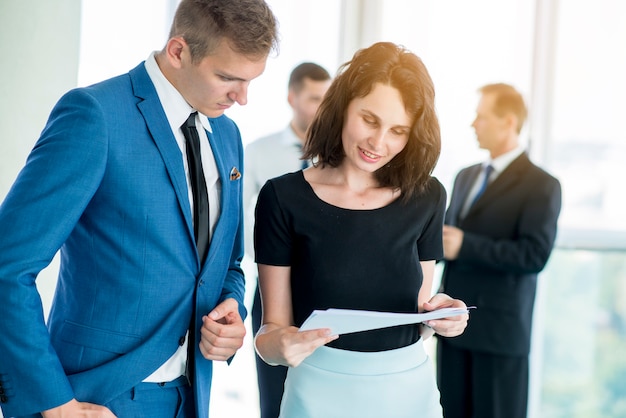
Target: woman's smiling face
376, 128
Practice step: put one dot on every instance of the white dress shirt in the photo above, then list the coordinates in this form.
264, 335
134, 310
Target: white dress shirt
267, 157
177, 110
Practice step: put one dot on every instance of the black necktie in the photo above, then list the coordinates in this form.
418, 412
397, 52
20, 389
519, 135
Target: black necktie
200, 221
198, 187
483, 186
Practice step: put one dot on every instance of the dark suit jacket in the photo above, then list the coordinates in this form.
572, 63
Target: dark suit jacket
509, 234
105, 183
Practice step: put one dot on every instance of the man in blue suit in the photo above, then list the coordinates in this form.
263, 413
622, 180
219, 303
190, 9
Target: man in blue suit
108, 184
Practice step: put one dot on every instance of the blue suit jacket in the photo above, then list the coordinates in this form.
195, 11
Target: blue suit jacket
105, 184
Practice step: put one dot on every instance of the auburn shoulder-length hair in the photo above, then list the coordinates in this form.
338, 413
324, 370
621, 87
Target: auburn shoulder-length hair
395, 66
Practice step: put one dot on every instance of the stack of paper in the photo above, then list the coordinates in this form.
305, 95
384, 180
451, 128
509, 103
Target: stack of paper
345, 321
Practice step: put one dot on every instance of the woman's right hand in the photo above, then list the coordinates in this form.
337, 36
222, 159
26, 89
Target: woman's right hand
287, 346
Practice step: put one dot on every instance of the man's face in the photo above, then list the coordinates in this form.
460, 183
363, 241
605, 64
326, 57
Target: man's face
306, 101
492, 131
219, 80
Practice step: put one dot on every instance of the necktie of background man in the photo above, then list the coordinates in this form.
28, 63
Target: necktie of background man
487, 170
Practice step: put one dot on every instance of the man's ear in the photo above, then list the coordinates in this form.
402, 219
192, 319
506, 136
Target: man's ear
511, 121
175, 50
291, 97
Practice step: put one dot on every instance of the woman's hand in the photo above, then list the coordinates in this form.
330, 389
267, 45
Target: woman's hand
450, 326
288, 347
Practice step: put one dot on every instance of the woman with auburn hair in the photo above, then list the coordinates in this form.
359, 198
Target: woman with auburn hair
361, 229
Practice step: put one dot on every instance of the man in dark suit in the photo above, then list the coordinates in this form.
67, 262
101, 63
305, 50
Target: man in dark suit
499, 232
137, 180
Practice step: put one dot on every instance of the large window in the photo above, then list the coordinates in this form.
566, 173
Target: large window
579, 345
582, 371
588, 140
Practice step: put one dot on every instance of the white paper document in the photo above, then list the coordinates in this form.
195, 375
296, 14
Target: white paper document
345, 321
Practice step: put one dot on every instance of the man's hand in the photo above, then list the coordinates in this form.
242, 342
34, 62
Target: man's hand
452, 241
222, 331
78, 409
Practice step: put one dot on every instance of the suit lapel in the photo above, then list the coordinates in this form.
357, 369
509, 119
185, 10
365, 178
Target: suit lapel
161, 132
217, 144
460, 192
507, 179
467, 183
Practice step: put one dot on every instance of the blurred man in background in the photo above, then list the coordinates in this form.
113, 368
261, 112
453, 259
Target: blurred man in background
499, 232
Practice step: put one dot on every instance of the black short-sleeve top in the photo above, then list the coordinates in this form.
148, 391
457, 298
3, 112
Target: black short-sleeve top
350, 259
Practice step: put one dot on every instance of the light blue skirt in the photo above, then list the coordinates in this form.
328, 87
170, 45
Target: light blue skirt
333, 383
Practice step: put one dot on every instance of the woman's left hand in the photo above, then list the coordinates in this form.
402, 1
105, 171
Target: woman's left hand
451, 326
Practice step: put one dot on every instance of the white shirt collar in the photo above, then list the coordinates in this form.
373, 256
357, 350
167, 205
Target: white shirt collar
501, 162
176, 108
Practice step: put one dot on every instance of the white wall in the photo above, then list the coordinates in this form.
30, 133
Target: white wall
39, 43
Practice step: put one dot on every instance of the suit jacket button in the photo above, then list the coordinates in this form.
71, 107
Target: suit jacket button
181, 341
